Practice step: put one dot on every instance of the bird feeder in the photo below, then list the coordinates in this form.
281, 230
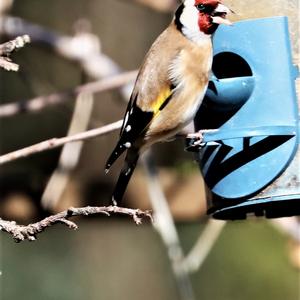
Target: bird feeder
251, 161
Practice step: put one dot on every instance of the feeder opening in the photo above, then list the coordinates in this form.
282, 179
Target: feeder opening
228, 65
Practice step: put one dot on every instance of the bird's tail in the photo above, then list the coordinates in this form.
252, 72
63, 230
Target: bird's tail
119, 149
131, 159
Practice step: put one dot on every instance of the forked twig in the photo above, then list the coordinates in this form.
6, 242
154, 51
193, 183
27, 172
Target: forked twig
164, 224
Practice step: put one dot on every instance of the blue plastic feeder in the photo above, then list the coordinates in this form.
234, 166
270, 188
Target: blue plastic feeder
251, 162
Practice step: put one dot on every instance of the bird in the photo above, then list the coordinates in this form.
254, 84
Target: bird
170, 85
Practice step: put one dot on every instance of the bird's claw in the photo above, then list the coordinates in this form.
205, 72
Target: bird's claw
193, 142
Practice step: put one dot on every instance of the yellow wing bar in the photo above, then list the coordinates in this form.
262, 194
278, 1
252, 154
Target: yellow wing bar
163, 96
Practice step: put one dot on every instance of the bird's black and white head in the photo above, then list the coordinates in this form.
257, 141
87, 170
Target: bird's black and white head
196, 18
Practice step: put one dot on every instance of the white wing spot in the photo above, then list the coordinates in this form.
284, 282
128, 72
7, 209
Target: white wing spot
127, 145
128, 128
126, 118
128, 172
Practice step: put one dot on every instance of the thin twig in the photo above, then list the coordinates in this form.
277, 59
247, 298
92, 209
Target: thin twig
8, 48
92, 60
70, 153
165, 226
207, 239
58, 142
38, 103
29, 232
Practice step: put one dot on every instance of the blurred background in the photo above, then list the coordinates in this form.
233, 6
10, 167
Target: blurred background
73, 43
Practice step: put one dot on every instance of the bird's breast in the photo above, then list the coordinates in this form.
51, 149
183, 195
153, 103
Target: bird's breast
189, 72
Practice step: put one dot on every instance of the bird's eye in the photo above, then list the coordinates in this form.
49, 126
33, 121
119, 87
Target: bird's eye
205, 8
201, 7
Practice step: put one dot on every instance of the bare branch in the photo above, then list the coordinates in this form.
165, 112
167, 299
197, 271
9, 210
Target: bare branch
8, 48
29, 232
8, 65
95, 63
82, 112
207, 239
66, 46
58, 142
38, 103
70, 153
165, 226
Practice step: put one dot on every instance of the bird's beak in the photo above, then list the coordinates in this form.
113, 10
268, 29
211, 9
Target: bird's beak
220, 13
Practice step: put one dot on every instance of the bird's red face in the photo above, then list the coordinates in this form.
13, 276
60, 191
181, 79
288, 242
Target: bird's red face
211, 13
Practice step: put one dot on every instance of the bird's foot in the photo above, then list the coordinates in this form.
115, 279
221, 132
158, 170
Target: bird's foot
193, 141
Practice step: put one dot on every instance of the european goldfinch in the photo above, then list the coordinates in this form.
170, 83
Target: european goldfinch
170, 85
